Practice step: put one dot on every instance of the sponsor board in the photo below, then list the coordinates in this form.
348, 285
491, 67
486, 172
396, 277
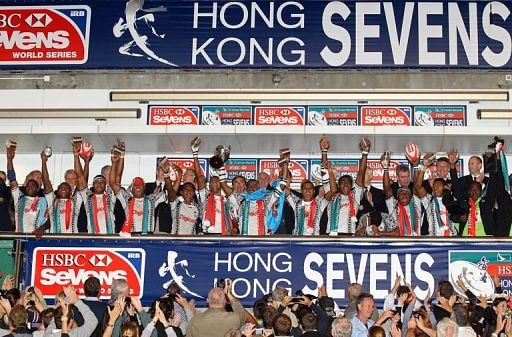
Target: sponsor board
279, 115
44, 34
378, 171
343, 115
173, 115
440, 115
55, 267
299, 169
477, 267
386, 115
257, 267
186, 164
342, 166
226, 115
241, 167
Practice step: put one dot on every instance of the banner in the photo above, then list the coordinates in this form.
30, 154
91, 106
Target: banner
256, 268
173, 34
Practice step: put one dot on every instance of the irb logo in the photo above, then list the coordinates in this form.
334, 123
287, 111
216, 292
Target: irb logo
54, 268
44, 34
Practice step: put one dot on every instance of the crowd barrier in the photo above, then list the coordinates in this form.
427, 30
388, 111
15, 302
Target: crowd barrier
257, 265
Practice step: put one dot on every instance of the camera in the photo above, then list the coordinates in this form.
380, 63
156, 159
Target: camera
221, 283
30, 289
258, 331
296, 300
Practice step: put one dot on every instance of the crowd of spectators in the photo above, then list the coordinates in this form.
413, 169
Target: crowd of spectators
442, 313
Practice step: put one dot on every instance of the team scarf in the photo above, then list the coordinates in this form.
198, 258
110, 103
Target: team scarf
93, 214
439, 221
406, 222
335, 212
301, 215
258, 197
69, 215
472, 217
210, 214
129, 226
275, 213
504, 171
38, 204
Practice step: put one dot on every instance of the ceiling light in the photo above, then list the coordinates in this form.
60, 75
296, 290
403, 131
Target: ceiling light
100, 113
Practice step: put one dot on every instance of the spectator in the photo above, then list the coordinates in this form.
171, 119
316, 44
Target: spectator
341, 327
216, 321
92, 289
447, 328
282, 326
353, 292
308, 324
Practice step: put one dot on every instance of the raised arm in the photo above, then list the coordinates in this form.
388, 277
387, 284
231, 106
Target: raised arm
81, 179
11, 173
45, 176
365, 146
87, 161
386, 181
173, 191
419, 190
113, 179
121, 148
201, 180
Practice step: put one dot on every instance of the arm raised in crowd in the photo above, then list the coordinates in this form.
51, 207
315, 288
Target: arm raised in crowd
48, 188
201, 179
419, 190
11, 173
81, 179
173, 192
386, 181
113, 179
365, 147
333, 187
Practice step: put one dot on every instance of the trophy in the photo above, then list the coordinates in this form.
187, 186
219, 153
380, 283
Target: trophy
47, 151
11, 143
220, 156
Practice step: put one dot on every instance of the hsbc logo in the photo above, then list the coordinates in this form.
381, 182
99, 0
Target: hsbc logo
100, 260
38, 20
57, 266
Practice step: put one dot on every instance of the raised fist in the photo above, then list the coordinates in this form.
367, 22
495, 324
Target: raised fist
365, 144
324, 143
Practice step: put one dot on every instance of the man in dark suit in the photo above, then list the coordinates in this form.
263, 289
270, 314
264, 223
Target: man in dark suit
163, 210
403, 174
92, 289
460, 186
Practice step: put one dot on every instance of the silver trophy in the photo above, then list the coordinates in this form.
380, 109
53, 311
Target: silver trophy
220, 156
11, 143
47, 151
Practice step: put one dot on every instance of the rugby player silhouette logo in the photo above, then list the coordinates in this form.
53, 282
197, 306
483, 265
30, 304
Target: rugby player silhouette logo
140, 24
179, 272
474, 276
317, 118
211, 118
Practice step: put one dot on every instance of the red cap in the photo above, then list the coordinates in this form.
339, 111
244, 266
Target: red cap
138, 181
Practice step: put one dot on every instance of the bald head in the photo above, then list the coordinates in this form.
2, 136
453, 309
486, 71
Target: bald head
216, 298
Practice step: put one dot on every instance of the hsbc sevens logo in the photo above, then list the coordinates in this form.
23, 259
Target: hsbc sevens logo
100, 260
38, 20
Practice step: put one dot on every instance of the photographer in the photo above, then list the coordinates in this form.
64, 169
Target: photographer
216, 321
163, 318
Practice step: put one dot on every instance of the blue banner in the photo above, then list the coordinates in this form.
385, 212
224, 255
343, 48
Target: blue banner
257, 267
172, 34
